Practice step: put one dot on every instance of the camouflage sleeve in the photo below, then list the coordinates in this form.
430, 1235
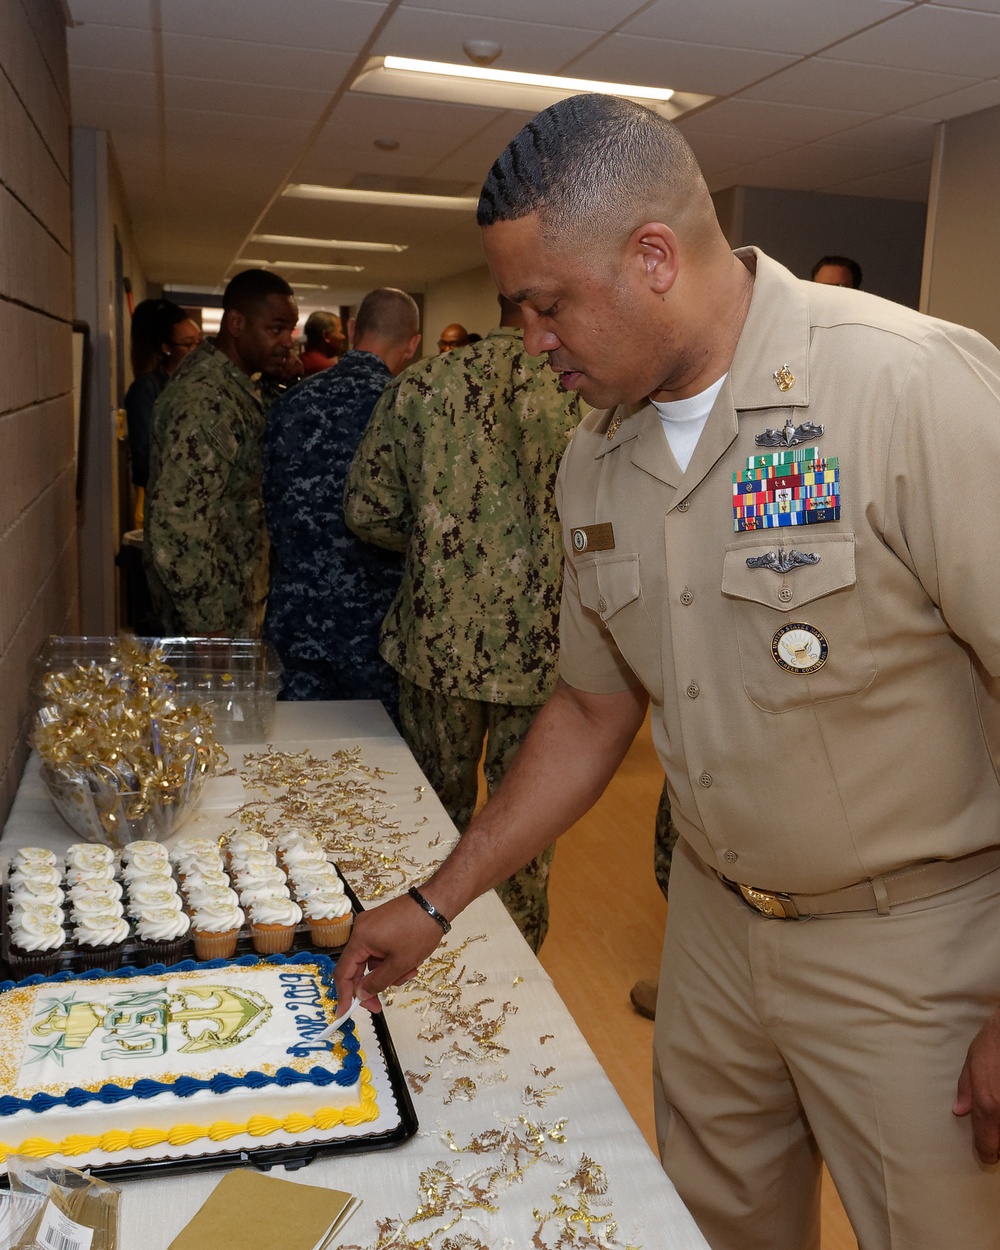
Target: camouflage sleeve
197, 451
377, 504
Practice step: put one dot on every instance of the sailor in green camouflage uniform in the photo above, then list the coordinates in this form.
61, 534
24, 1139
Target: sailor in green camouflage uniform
206, 547
457, 469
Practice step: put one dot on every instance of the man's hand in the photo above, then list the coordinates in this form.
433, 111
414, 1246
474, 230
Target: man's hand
391, 942
979, 1090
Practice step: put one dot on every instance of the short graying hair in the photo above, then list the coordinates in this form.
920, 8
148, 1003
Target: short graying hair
389, 314
587, 158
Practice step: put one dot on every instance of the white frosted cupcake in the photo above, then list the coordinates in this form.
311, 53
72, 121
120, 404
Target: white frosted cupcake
38, 891
153, 894
137, 870
88, 906
34, 874
96, 889
271, 889
205, 893
258, 868
273, 920
34, 945
215, 929
90, 872
242, 844
41, 911
329, 916
33, 857
161, 933
307, 882
89, 855
303, 858
142, 846
100, 939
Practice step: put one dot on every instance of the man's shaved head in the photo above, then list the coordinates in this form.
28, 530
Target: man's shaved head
596, 160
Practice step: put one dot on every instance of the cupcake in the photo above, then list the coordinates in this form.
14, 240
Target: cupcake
33, 857
299, 858
34, 945
141, 846
89, 872
272, 924
89, 855
328, 914
85, 906
243, 844
257, 868
34, 874
278, 888
215, 929
204, 893
97, 889
137, 870
161, 934
41, 911
307, 882
40, 891
152, 894
148, 860
100, 939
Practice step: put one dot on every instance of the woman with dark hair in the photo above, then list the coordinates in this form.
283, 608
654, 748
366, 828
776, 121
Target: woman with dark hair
162, 335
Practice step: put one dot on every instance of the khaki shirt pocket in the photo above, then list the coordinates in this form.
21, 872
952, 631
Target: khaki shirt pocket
611, 586
823, 596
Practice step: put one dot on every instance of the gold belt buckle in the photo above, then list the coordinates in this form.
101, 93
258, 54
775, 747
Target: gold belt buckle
776, 906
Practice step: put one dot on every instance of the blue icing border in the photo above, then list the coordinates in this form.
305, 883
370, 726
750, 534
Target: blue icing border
185, 1086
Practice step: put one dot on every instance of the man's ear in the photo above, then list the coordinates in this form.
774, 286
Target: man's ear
234, 322
655, 250
412, 347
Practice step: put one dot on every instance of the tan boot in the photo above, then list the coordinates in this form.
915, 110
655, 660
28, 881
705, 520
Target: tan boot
643, 996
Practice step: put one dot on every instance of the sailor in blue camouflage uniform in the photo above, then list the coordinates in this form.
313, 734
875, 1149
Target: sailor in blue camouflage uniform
329, 590
205, 549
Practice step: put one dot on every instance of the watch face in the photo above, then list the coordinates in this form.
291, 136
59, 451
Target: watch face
799, 648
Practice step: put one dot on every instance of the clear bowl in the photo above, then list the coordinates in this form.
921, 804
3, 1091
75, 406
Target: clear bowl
236, 680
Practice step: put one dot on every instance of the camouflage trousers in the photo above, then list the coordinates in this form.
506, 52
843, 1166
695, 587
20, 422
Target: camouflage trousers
446, 736
664, 841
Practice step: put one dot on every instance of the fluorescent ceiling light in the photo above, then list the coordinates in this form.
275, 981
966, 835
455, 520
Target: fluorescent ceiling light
498, 88
296, 264
338, 244
390, 199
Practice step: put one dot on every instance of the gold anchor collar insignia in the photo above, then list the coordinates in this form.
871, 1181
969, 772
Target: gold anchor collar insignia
784, 379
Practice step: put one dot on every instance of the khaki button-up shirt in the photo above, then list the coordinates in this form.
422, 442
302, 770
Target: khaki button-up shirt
888, 753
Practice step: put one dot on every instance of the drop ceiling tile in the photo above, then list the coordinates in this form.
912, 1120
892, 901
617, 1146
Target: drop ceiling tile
110, 47
182, 124
230, 60
98, 94
211, 96
111, 13
331, 25
765, 25
979, 6
339, 169
899, 139
974, 99
822, 165
944, 40
909, 183
683, 66
717, 151
589, 14
527, 46
389, 118
796, 123
870, 88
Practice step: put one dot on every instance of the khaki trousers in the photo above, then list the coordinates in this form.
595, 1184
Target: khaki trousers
781, 1042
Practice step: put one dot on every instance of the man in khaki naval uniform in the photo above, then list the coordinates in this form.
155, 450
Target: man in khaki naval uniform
825, 694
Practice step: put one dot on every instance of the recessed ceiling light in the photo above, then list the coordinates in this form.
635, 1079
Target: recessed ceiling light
297, 264
338, 244
501, 88
391, 199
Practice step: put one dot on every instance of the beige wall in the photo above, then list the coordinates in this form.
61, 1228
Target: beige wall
38, 579
469, 298
962, 251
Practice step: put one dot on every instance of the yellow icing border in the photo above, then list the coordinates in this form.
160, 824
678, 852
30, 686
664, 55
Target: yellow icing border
183, 1134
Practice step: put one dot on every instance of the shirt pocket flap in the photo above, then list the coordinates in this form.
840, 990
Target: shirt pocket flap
608, 585
786, 588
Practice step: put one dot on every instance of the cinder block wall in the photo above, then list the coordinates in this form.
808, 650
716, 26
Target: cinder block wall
38, 553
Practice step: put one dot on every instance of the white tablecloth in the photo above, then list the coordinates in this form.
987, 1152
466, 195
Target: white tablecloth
493, 1058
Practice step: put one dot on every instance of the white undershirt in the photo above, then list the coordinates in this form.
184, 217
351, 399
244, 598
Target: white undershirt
684, 419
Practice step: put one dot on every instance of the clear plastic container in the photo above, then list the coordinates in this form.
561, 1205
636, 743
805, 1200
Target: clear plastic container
235, 679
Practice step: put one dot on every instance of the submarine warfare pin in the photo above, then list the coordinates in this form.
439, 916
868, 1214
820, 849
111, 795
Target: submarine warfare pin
782, 561
790, 435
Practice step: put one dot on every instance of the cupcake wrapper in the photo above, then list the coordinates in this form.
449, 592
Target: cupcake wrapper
330, 932
273, 940
27, 963
215, 945
109, 957
147, 953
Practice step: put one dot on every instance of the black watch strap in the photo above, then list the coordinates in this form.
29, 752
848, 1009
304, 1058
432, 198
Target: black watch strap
429, 908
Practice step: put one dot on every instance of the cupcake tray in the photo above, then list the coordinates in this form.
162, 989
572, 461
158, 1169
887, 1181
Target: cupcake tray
394, 1095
